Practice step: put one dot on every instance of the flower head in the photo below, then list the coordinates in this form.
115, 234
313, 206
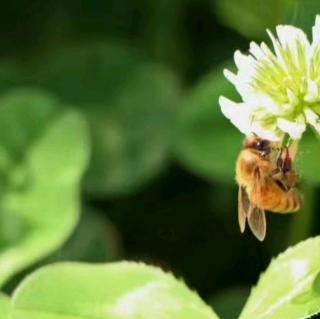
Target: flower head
280, 89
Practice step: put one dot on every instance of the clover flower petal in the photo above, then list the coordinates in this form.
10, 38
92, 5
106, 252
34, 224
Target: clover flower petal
294, 128
237, 113
280, 88
316, 31
313, 119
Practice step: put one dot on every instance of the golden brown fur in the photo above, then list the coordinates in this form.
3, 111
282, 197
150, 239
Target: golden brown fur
266, 181
256, 175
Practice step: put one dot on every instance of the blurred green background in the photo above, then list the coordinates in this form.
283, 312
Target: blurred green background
146, 77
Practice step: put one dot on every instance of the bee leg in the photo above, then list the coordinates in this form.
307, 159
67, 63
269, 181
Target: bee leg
292, 179
276, 174
281, 179
287, 162
284, 175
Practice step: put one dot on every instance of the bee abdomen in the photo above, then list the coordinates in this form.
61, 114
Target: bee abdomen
290, 202
274, 199
297, 201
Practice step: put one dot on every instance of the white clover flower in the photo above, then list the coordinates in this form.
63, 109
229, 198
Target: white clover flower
280, 90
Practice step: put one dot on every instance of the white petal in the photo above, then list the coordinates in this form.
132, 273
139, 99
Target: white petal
237, 113
313, 119
294, 39
289, 36
247, 66
227, 106
312, 92
267, 133
316, 31
231, 77
266, 49
241, 84
256, 51
243, 61
265, 101
277, 49
294, 129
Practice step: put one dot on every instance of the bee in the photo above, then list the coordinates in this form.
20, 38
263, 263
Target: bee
267, 182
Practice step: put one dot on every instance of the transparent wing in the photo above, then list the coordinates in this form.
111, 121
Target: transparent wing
256, 216
257, 222
243, 207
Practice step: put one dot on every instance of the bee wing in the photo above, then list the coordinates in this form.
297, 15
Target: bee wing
256, 216
243, 207
257, 222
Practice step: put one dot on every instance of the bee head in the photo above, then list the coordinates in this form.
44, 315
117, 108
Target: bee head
261, 146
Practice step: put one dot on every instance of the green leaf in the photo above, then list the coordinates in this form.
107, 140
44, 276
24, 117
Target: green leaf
290, 286
94, 240
206, 142
4, 306
112, 291
43, 154
132, 139
253, 18
131, 108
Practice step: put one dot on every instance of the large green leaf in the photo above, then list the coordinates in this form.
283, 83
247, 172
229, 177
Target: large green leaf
43, 153
205, 141
130, 105
290, 287
132, 138
95, 239
4, 306
112, 291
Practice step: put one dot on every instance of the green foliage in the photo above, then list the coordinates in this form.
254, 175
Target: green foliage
303, 222
95, 239
11, 76
206, 142
113, 291
308, 158
43, 155
303, 14
251, 18
290, 286
125, 99
4, 306
119, 64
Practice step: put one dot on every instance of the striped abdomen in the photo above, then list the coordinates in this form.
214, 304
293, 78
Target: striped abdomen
273, 198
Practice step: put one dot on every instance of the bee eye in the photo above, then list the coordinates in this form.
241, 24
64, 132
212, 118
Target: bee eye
262, 145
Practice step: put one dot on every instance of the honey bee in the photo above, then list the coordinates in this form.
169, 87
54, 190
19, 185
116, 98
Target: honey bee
266, 181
